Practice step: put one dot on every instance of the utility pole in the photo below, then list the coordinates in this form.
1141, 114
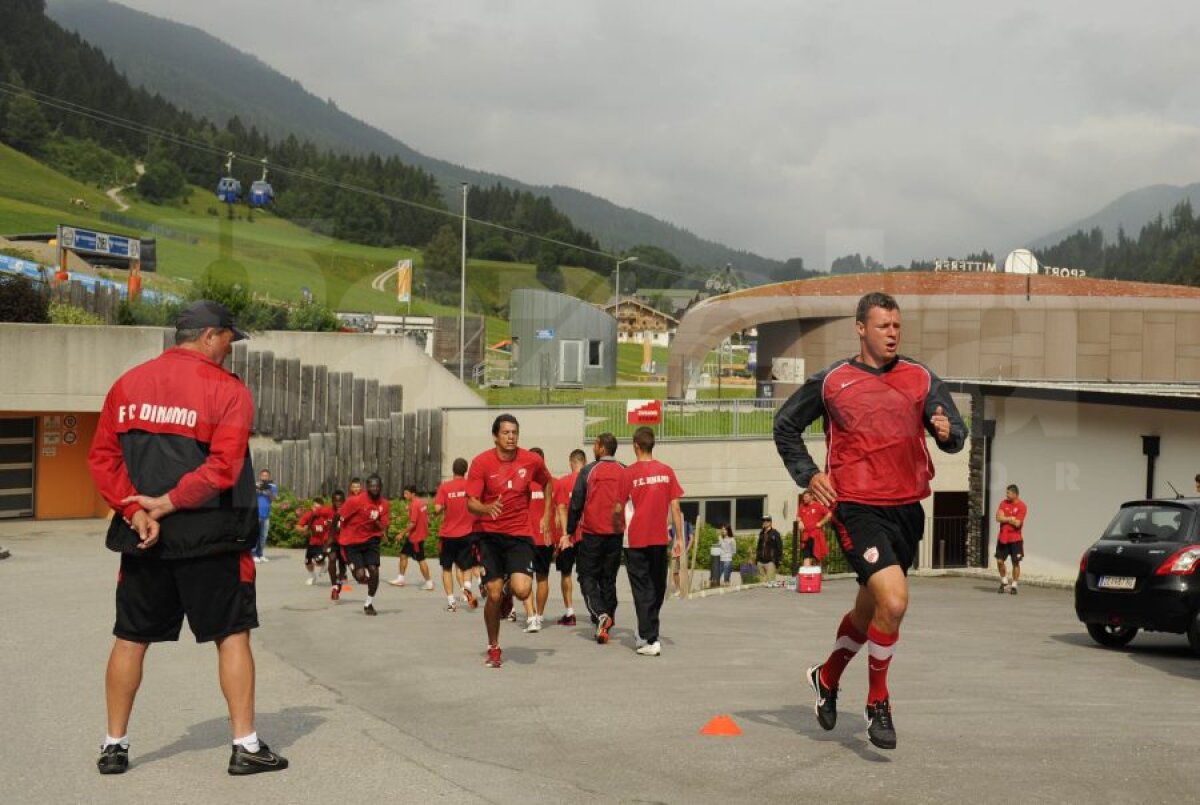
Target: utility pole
462, 291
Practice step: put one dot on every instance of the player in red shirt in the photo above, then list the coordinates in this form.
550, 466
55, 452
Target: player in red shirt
498, 490
315, 524
1011, 542
813, 516
564, 559
414, 538
364, 520
595, 511
454, 537
333, 548
543, 552
653, 490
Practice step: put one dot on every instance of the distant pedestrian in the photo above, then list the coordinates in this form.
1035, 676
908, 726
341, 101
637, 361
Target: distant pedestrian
768, 554
813, 516
728, 550
1010, 544
267, 492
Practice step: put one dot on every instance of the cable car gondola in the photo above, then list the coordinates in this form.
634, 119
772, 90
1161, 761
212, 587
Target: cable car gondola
261, 192
229, 189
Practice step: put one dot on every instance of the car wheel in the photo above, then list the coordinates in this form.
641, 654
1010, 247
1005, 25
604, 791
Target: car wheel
1111, 636
1194, 634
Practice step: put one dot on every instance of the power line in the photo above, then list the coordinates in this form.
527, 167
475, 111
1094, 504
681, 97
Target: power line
106, 118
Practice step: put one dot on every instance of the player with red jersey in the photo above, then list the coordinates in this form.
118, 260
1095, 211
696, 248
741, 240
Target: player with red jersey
595, 511
813, 516
1010, 514
454, 537
364, 519
415, 535
564, 559
315, 524
498, 490
654, 491
543, 551
333, 548
878, 408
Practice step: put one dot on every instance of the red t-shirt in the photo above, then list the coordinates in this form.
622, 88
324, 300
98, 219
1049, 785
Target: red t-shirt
457, 520
651, 486
562, 497
418, 515
319, 519
491, 478
810, 515
603, 494
1009, 533
363, 519
537, 511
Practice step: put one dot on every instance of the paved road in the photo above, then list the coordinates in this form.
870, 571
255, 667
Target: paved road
997, 699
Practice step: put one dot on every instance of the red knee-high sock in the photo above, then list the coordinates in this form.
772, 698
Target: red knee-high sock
880, 646
849, 641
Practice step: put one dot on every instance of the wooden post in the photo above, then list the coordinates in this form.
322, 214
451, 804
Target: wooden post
266, 422
239, 359
434, 472
253, 382
695, 547
135, 280
346, 400
286, 476
316, 464
359, 400
304, 417
410, 448
356, 453
395, 450
371, 400
332, 480
292, 413
320, 395
303, 484
345, 470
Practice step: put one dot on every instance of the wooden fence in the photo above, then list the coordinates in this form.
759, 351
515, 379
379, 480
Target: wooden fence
102, 301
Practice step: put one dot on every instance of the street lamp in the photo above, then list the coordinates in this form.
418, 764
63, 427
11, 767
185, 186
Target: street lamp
619, 262
462, 292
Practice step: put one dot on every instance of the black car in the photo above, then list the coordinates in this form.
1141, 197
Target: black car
1144, 573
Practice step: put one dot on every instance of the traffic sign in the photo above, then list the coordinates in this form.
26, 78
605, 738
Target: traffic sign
545, 335
87, 241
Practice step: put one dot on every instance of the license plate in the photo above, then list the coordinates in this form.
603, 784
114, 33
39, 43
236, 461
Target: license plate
1117, 582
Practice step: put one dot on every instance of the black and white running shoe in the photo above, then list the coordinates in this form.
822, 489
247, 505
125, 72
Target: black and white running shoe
114, 759
880, 728
826, 705
243, 761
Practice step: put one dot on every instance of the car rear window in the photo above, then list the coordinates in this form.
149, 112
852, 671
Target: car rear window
1164, 523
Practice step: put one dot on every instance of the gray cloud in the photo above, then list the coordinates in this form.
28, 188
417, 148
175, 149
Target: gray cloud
788, 128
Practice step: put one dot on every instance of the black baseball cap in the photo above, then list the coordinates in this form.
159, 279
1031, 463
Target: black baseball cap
207, 313
766, 517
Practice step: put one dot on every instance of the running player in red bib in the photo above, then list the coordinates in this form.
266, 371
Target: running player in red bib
543, 552
564, 559
455, 547
365, 520
414, 538
878, 409
333, 547
595, 512
654, 491
498, 491
315, 524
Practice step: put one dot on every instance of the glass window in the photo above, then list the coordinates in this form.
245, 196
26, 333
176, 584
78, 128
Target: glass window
749, 514
595, 354
718, 512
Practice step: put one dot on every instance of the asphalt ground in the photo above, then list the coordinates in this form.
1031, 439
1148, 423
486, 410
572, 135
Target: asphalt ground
995, 698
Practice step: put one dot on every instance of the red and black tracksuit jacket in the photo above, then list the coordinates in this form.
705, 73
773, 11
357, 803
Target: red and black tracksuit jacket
875, 426
180, 425
594, 498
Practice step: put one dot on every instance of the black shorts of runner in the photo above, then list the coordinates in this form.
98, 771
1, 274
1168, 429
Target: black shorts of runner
875, 537
413, 550
364, 554
314, 553
566, 561
456, 551
543, 557
502, 555
1011, 550
216, 593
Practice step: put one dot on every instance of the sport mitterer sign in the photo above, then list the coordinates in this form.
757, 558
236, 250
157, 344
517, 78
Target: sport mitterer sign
643, 412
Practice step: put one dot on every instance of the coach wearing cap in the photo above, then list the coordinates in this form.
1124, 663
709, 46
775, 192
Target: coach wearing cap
769, 552
171, 457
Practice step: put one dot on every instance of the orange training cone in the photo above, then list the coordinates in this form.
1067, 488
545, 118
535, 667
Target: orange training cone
721, 725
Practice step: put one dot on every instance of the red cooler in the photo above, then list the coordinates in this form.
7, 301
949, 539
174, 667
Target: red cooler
808, 580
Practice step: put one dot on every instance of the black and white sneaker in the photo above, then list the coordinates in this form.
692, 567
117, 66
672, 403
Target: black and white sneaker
880, 728
243, 761
826, 706
114, 759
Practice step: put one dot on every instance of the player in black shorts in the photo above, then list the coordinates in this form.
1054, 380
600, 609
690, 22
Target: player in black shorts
336, 561
879, 407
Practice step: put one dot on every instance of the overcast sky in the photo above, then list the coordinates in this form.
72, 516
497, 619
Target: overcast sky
788, 128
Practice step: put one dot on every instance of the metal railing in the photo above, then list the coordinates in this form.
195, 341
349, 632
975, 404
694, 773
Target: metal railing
690, 419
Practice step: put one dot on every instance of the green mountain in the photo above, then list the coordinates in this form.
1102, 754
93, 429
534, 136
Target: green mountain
1130, 212
210, 79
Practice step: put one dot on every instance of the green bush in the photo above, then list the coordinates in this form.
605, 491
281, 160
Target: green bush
21, 302
88, 162
62, 313
312, 317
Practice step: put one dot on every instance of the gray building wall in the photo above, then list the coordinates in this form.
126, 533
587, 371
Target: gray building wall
563, 359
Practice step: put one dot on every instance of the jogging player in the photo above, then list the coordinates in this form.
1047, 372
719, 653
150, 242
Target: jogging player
542, 523
564, 559
654, 492
1010, 514
365, 518
498, 490
415, 535
333, 547
595, 510
314, 524
878, 408
171, 457
455, 546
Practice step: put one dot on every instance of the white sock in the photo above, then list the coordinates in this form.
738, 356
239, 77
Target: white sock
1014, 584
399, 577
111, 741
570, 612
370, 600
249, 743
449, 599
467, 585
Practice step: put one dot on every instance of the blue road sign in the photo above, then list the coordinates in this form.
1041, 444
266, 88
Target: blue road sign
545, 335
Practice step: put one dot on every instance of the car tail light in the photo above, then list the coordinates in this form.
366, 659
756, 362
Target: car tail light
1083, 561
1181, 563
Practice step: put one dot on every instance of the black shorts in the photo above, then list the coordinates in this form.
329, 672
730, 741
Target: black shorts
456, 551
413, 550
1011, 550
543, 557
314, 553
875, 537
806, 549
566, 561
502, 555
216, 593
364, 554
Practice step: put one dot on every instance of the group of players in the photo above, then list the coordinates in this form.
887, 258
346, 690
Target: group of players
505, 521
